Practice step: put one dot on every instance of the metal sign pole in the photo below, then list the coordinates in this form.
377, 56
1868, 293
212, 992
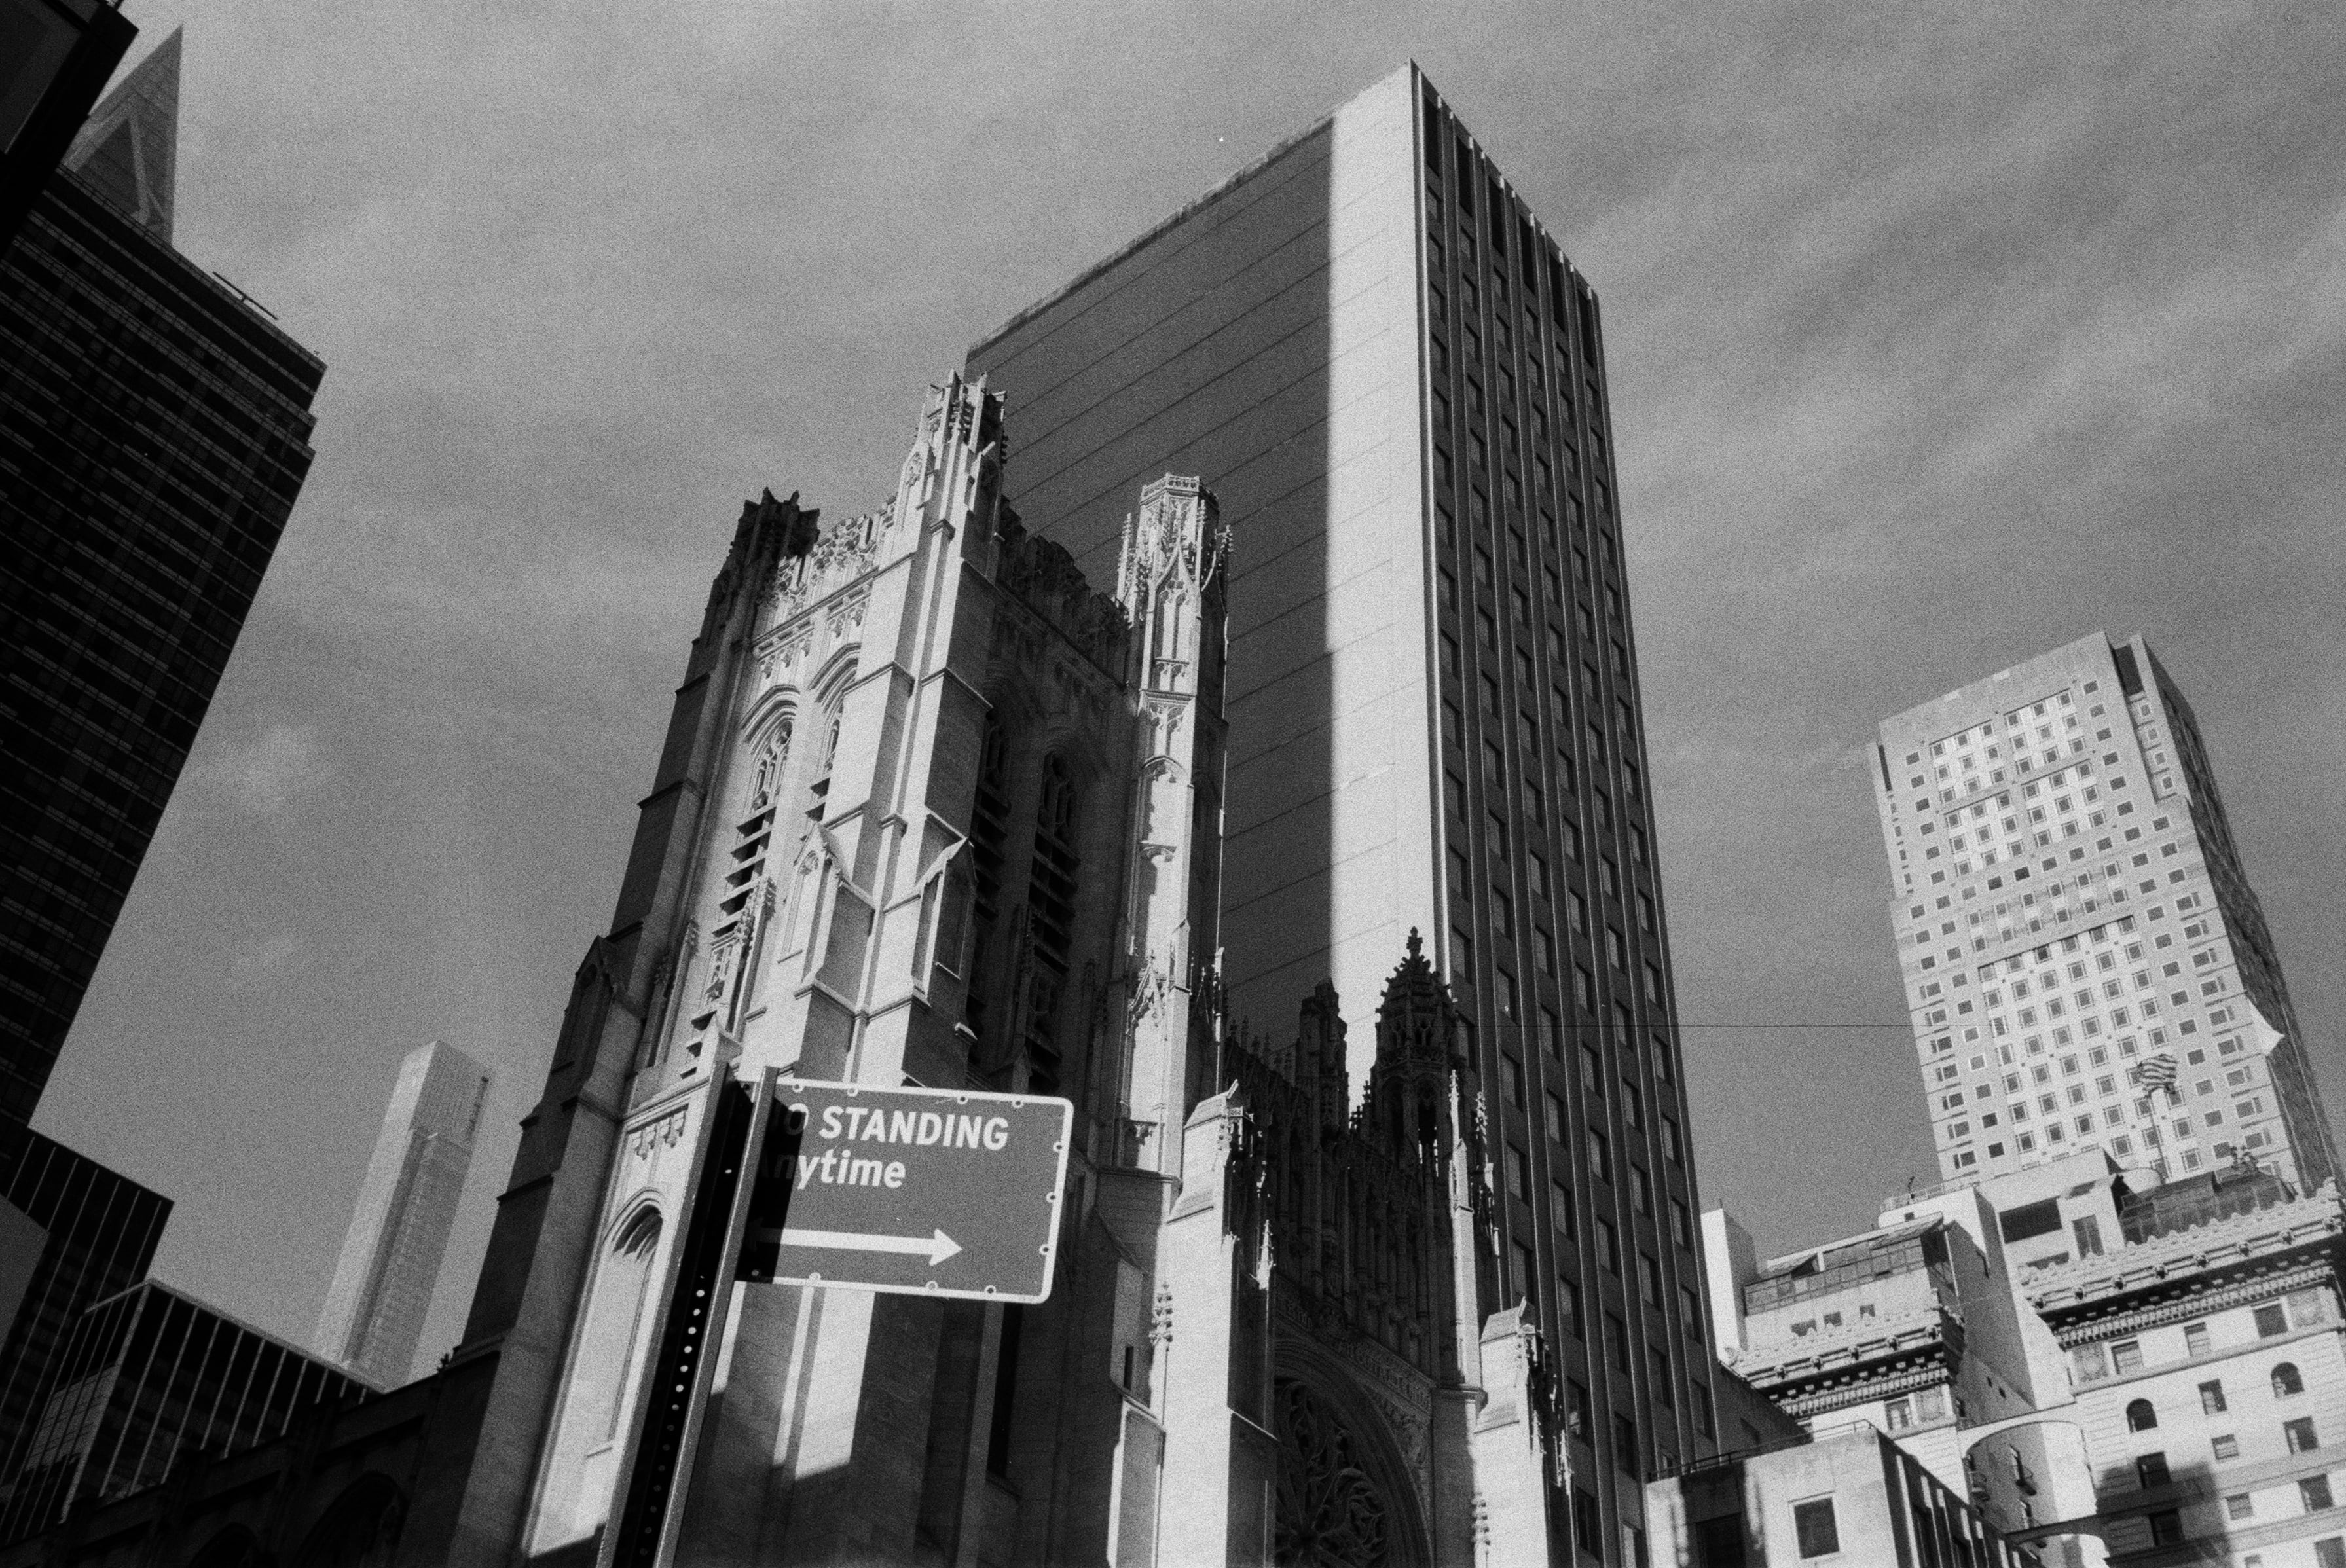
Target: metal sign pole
651, 1513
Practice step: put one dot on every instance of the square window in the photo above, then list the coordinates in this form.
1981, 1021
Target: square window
2315, 1493
2239, 1505
1815, 1528
2226, 1446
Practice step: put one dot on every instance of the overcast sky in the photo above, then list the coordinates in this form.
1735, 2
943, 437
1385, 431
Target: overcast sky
1938, 339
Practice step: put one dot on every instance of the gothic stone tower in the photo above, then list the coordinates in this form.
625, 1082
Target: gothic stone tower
932, 810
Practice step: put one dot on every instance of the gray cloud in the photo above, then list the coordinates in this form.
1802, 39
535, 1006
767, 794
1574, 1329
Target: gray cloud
256, 776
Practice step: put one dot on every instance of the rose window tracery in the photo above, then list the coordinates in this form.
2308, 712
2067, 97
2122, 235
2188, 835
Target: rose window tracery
1330, 1514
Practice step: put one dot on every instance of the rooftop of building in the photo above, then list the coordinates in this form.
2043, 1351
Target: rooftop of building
1856, 1431
1853, 1260
125, 161
2012, 684
2065, 1175
2247, 1225
156, 1290
2194, 1200
1188, 210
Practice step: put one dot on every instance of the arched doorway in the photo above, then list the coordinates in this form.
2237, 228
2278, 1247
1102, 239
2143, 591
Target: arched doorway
1345, 1498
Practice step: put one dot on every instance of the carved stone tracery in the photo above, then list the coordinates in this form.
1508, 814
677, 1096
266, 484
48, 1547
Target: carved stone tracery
1330, 1513
1043, 577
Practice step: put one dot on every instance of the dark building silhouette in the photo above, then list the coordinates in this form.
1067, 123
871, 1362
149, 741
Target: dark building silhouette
87, 1234
57, 55
150, 1377
154, 432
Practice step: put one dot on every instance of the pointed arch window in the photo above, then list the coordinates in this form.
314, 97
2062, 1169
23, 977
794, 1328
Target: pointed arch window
765, 773
1051, 902
737, 943
834, 715
989, 839
612, 1346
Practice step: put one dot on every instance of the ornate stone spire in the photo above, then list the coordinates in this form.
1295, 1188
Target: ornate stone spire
1416, 1050
1171, 568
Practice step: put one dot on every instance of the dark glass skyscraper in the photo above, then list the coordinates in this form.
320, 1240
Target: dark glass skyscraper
1395, 380
55, 59
90, 1233
154, 432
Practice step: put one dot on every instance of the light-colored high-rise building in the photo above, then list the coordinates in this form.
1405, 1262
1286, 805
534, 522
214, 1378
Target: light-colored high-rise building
2085, 962
390, 1259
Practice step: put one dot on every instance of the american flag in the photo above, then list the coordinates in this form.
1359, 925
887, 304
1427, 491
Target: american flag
2158, 1071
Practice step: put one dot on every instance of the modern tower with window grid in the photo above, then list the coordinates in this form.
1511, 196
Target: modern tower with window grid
1396, 380
154, 429
2085, 961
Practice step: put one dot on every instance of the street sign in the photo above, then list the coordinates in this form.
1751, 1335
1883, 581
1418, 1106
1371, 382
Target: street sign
930, 1192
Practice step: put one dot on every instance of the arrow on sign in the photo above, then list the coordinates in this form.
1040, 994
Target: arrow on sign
937, 1244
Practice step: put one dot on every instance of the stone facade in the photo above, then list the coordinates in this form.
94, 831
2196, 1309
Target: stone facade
2116, 1370
933, 810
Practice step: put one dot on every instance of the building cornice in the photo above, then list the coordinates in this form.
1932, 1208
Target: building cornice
2248, 1248
1875, 1383
1932, 1336
2191, 1298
